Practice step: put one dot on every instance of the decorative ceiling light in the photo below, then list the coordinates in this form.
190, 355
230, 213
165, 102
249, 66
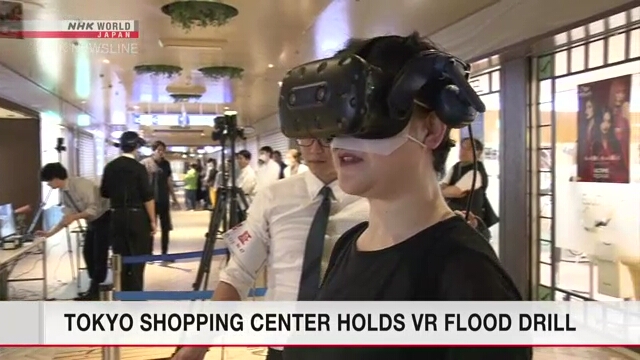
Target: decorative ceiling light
192, 44
199, 13
178, 88
221, 72
157, 70
184, 98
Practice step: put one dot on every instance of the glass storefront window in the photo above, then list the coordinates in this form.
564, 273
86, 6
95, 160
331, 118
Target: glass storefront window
486, 128
588, 149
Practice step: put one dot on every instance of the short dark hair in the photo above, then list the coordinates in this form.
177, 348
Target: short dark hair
267, 149
390, 54
128, 148
53, 171
277, 153
245, 154
476, 143
156, 144
211, 160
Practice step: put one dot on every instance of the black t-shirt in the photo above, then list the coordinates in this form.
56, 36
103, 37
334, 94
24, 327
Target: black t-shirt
467, 269
125, 183
160, 181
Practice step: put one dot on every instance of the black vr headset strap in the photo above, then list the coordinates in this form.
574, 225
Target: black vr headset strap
439, 82
364, 50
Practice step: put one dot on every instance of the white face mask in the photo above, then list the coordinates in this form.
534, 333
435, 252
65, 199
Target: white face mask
383, 147
264, 158
287, 162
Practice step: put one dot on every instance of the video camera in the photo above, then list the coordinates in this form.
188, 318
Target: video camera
226, 127
60, 145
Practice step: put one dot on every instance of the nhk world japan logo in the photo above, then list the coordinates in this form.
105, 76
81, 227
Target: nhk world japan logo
73, 29
88, 47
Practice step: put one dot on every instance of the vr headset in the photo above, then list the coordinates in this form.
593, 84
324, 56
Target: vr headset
346, 96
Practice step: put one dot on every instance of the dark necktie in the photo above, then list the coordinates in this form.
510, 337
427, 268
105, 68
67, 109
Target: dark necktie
311, 263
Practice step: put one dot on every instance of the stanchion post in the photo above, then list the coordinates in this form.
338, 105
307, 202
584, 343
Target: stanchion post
45, 286
116, 267
108, 353
116, 264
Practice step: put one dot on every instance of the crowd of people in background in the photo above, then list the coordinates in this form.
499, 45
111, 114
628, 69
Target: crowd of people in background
201, 179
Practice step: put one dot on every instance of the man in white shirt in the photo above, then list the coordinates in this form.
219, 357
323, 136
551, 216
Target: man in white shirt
246, 176
279, 220
268, 169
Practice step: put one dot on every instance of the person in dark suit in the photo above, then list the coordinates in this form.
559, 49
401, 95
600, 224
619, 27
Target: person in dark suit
125, 183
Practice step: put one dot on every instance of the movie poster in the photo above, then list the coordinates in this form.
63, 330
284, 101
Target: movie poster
604, 130
10, 20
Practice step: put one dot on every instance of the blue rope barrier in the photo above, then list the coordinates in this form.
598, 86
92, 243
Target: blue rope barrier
139, 259
174, 295
162, 295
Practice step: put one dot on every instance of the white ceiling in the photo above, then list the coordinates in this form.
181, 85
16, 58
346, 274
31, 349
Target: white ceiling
52, 75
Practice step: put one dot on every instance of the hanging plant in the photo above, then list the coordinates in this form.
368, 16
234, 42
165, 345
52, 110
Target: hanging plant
158, 70
183, 98
199, 13
221, 72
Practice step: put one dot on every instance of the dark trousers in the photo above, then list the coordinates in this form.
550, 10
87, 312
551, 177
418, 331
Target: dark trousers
207, 197
191, 199
273, 354
131, 236
96, 250
163, 211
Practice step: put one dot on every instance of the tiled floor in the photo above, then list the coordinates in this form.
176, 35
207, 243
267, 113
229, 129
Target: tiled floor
187, 236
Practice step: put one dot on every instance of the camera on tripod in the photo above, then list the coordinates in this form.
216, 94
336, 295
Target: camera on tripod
231, 203
226, 127
60, 145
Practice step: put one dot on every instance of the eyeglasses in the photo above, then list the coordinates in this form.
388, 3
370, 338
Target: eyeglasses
308, 142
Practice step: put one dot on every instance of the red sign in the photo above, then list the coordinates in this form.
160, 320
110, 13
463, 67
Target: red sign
244, 238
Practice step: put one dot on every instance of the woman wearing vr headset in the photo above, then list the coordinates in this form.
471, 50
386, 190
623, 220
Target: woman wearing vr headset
414, 247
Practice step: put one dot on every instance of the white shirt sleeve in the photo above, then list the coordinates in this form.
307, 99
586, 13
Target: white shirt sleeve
465, 181
238, 273
274, 172
249, 183
447, 176
267, 174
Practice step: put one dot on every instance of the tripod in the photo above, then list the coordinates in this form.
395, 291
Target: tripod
60, 148
231, 203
